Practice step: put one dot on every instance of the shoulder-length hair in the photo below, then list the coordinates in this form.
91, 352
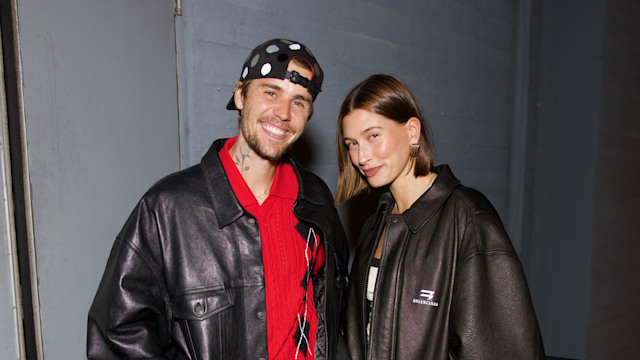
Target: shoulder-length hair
387, 96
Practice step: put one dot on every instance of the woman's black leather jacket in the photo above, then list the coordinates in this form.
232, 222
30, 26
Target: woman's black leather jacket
450, 285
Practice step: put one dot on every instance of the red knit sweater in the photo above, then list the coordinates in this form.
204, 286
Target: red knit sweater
289, 251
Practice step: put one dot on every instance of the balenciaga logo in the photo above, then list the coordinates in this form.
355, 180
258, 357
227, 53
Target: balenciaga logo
428, 294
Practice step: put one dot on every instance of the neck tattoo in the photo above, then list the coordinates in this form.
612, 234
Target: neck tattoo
241, 157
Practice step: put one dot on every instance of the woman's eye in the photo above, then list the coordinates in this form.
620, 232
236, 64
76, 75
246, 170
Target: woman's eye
350, 144
373, 136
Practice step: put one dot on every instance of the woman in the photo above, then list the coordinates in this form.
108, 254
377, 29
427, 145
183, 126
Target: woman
435, 275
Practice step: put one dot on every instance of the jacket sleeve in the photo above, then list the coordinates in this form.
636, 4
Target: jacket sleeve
492, 314
338, 279
342, 282
129, 317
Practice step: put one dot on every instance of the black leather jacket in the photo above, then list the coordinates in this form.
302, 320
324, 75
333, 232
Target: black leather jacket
185, 279
450, 285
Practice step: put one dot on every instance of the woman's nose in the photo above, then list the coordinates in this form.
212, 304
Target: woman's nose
363, 156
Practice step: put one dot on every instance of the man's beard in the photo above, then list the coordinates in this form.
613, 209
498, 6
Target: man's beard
252, 140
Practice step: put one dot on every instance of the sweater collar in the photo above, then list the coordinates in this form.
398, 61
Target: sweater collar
225, 204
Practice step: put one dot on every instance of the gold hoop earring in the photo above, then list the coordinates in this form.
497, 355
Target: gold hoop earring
414, 150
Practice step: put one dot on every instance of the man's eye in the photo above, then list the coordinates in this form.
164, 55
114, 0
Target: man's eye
373, 136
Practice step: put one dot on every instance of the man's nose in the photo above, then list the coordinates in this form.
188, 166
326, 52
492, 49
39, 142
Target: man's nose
283, 109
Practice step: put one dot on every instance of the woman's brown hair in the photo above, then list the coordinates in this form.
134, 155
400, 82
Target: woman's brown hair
387, 96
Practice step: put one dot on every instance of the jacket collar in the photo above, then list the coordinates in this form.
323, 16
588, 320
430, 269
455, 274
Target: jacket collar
429, 203
226, 206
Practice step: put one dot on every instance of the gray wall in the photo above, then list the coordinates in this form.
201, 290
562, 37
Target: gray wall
586, 202
9, 347
8, 317
456, 57
615, 279
9, 330
101, 124
565, 170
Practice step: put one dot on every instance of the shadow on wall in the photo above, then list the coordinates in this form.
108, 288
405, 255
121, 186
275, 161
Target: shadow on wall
303, 151
355, 212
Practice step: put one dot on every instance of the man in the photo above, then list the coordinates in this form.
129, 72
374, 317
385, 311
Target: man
241, 256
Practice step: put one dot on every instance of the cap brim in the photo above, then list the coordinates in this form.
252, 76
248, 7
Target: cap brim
232, 104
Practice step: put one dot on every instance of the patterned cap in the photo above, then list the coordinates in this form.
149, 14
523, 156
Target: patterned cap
271, 59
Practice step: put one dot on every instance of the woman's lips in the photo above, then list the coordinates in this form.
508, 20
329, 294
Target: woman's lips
371, 172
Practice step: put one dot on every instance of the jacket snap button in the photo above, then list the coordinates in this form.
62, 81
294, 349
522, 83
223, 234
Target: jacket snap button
261, 315
394, 221
257, 270
198, 308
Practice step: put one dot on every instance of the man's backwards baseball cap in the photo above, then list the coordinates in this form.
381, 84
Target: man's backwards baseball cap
271, 59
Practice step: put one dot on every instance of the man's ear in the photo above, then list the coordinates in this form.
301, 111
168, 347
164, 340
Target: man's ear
414, 125
237, 96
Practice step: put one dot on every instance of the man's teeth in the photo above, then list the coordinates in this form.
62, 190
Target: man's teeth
274, 130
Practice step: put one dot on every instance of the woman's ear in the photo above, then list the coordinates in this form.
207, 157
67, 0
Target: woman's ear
414, 125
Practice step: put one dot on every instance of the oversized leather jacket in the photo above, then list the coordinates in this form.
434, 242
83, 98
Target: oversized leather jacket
185, 276
450, 285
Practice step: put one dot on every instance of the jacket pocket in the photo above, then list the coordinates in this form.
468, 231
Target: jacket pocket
206, 320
